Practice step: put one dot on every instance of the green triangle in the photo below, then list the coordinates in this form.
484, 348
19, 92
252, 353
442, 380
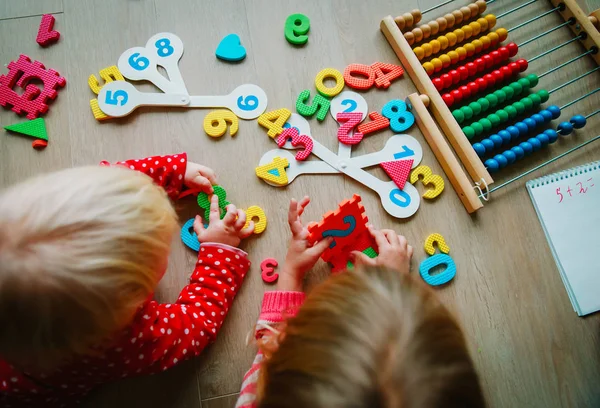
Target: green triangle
34, 128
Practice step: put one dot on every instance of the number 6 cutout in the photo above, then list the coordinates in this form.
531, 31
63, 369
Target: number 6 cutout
168, 49
437, 182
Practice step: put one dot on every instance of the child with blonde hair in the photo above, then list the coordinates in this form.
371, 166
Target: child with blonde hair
81, 253
369, 337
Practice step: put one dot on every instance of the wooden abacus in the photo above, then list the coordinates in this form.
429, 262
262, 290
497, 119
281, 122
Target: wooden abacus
478, 73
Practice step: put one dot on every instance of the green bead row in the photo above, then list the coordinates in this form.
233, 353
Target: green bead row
489, 101
503, 115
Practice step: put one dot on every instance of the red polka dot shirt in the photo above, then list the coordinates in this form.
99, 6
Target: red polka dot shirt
160, 335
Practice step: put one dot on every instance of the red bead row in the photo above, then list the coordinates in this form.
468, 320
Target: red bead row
488, 80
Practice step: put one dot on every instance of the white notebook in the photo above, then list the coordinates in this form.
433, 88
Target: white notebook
568, 205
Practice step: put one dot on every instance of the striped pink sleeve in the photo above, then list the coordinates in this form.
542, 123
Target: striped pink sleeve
275, 307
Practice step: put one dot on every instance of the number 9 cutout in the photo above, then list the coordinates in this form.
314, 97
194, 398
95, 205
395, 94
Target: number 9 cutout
296, 28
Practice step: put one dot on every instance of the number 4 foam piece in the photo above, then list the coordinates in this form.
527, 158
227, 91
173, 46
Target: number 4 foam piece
398, 171
274, 172
231, 49
46, 35
34, 128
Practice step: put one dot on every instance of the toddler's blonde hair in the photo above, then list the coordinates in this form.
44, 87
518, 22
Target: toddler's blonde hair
370, 338
80, 250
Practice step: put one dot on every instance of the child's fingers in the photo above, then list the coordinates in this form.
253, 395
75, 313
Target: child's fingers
320, 247
358, 258
410, 251
230, 216
402, 241
208, 173
295, 224
391, 236
215, 214
302, 204
241, 220
201, 183
379, 237
198, 226
246, 232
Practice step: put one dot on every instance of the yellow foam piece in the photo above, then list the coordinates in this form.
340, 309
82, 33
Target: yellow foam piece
274, 171
429, 179
441, 243
98, 114
108, 74
256, 212
215, 123
273, 121
333, 74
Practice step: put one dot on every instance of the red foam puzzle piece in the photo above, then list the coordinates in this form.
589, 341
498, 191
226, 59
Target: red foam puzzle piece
334, 220
398, 171
34, 100
46, 35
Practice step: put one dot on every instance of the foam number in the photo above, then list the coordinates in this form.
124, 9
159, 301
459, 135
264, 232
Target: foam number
168, 49
256, 214
350, 221
188, 235
215, 123
386, 73
204, 202
400, 118
428, 178
436, 239
353, 74
439, 278
331, 74
377, 122
291, 135
295, 29
273, 121
109, 75
349, 120
267, 268
274, 172
320, 105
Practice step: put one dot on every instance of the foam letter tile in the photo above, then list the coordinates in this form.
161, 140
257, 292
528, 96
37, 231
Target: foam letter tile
428, 179
215, 123
274, 171
273, 121
188, 235
256, 212
436, 238
34, 100
204, 201
398, 171
440, 278
46, 35
267, 268
34, 128
231, 49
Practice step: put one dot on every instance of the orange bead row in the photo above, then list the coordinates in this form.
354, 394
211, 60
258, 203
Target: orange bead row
408, 20
468, 50
446, 22
457, 36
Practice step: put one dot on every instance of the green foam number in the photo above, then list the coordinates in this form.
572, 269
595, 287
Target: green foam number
296, 27
204, 202
320, 105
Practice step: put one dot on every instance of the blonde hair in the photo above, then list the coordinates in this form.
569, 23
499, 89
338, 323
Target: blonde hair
80, 250
370, 338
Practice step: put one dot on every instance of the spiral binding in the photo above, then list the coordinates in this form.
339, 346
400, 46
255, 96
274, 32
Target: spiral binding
565, 174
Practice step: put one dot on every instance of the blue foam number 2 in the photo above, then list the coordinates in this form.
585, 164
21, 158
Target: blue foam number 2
249, 103
113, 99
405, 153
139, 64
394, 197
350, 221
163, 47
352, 104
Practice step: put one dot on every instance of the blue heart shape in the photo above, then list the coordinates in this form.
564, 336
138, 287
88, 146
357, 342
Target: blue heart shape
231, 49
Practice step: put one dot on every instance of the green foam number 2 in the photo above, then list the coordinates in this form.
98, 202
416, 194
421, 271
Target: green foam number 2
204, 202
296, 27
319, 103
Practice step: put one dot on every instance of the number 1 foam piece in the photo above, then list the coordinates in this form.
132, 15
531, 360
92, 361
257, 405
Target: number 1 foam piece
34, 128
231, 49
274, 171
46, 35
436, 239
34, 100
398, 171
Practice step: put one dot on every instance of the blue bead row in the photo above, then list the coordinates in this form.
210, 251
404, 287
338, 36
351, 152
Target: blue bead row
566, 128
523, 149
516, 131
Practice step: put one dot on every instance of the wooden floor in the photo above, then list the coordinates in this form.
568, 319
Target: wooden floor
530, 348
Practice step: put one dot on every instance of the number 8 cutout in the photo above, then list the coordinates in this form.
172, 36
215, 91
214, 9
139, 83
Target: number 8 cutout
168, 49
437, 182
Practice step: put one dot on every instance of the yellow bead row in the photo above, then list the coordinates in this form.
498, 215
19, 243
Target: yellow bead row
446, 22
459, 35
469, 49
407, 20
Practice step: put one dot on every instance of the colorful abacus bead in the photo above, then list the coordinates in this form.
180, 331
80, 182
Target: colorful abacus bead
518, 152
576, 122
408, 20
516, 131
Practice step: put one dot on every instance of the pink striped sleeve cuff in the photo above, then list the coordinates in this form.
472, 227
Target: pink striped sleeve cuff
278, 305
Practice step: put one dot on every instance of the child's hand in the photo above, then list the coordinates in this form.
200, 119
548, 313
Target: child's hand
300, 256
394, 251
199, 178
230, 230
